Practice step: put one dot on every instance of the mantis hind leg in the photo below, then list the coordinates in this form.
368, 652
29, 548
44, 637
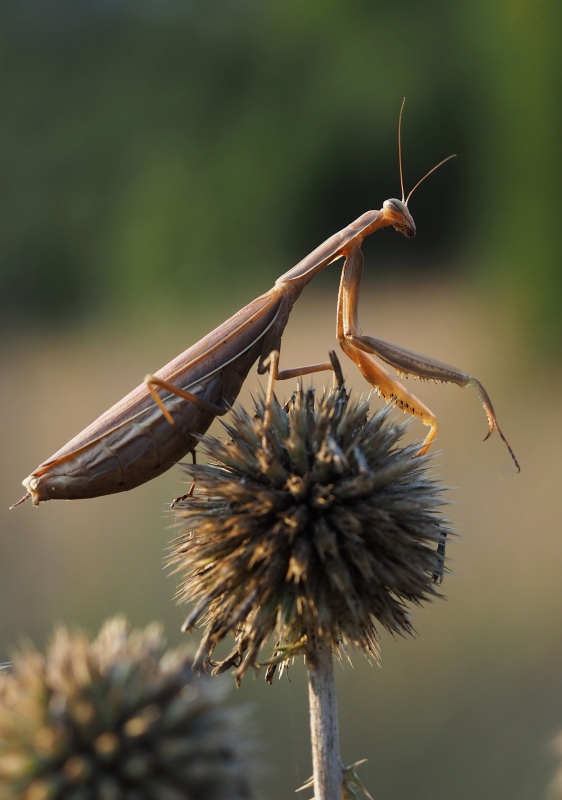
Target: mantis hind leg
393, 391
152, 382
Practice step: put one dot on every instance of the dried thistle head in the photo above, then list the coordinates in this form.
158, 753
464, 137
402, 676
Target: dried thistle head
331, 530
118, 717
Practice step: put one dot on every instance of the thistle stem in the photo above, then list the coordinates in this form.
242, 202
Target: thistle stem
326, 761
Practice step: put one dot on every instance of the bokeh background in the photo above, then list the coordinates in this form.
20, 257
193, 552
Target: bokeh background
161, 162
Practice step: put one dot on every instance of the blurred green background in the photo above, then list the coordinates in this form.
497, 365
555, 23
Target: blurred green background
161, 162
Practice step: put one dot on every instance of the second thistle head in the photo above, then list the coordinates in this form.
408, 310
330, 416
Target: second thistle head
117, 717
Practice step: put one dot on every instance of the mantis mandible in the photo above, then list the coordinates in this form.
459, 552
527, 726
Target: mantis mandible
154, 426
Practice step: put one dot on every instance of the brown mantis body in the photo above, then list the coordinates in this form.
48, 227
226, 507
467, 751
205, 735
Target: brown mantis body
145, 434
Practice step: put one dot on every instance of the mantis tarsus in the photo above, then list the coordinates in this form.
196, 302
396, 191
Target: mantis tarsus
147, 432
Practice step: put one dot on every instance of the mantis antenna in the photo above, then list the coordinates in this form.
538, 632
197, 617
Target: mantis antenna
400, 159
454, 155
400, 149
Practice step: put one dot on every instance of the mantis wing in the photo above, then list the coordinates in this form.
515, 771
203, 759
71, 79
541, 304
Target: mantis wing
132, 442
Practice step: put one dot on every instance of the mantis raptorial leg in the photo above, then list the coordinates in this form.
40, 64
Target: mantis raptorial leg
361, 348
349, 335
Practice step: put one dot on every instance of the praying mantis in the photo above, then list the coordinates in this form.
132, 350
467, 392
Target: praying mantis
163, 419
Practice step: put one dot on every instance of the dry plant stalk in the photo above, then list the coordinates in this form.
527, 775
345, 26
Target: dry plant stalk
331, 530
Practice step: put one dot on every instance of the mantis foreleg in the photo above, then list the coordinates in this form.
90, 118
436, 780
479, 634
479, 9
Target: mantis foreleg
350, 338
361, 348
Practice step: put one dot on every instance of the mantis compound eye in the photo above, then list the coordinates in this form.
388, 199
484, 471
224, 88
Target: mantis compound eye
395, 205
399, 216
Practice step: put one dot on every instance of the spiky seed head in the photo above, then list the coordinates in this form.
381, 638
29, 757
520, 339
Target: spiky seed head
331, 529
118, 717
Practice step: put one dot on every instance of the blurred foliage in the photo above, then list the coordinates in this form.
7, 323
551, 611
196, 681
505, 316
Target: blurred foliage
158, 149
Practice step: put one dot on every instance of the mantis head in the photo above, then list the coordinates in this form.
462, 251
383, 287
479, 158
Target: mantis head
396, 213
